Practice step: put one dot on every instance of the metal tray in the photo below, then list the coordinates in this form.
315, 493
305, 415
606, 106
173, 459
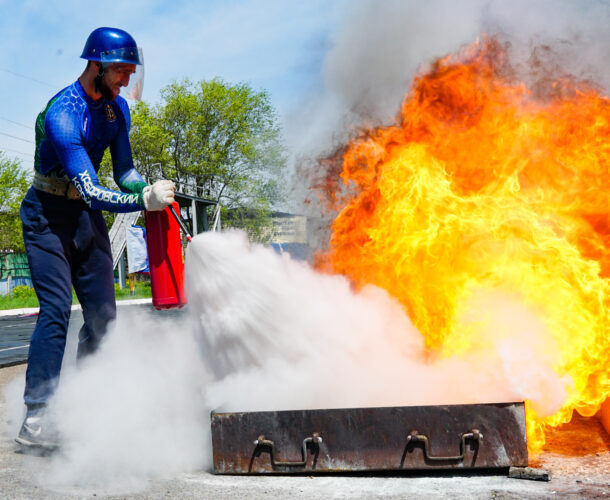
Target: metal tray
370, 439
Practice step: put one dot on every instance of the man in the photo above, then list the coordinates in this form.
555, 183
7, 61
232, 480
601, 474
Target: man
64, 232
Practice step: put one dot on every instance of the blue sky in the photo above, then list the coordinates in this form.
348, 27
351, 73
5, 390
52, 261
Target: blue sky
329, 65
272, 44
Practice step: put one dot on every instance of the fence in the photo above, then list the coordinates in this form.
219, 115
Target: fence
14, 271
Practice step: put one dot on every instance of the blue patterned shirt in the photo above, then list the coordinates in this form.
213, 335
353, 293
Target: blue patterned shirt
72, 134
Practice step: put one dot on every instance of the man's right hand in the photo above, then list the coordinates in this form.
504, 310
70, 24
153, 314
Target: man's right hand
159, 195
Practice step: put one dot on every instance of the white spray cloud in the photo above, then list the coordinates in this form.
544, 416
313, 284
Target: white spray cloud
132, 411
279, 335
265, 332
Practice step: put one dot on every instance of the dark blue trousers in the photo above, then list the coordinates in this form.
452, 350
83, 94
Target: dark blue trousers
67, 245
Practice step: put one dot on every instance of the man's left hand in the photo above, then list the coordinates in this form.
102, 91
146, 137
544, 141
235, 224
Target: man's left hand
159, 195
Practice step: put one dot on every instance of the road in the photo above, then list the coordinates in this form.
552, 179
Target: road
15, 331
15, 334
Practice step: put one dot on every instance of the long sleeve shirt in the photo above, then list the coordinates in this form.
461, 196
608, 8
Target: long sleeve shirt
72, 133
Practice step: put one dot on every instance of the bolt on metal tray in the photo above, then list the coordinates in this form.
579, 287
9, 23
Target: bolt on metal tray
474, 436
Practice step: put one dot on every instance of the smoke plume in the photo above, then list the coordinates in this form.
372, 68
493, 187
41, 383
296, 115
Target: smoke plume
381, 46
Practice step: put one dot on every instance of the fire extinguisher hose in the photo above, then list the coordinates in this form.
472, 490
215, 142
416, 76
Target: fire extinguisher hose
181, 223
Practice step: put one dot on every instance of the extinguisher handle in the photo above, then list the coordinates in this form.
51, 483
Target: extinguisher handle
181, 223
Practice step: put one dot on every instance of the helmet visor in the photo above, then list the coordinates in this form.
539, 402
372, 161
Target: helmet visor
129, 55
133, 90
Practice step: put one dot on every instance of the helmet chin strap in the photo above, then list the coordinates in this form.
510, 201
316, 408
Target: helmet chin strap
99, 87
98, 79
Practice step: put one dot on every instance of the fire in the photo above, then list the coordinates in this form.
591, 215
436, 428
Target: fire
486, 184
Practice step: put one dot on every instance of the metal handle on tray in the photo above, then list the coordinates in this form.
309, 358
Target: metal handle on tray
315, 439
474, 435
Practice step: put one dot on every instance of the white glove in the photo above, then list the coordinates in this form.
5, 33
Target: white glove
159, 195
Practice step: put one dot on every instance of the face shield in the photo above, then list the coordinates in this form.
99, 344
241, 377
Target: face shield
124, 61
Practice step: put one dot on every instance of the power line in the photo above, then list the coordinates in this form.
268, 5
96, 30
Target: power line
18, 138
28, 78
15, 151
29, 127
29, 160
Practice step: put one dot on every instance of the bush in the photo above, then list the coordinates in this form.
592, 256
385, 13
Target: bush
21, 296
23, 292
142, 290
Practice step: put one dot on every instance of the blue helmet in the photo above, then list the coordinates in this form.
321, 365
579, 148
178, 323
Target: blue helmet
110, 45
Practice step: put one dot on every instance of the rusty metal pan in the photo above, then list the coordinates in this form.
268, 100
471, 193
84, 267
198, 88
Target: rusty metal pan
370, 439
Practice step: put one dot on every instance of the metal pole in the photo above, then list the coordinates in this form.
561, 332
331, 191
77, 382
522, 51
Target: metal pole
195, 222
122, 270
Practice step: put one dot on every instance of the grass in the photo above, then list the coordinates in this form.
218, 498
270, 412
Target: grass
23, 296
142, 291
10, 302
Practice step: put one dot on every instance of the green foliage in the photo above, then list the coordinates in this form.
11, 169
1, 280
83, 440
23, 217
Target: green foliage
149, 141
23, 292
216, 140
104, 174
14, 183
255, 221
24, 296
11, 302
142, 291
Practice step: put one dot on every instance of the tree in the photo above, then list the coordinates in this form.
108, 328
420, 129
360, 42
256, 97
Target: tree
149, 142
14, 183
216, 140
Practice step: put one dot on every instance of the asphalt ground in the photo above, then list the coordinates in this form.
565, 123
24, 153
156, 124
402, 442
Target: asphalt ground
16, 327
578, 457
15, 334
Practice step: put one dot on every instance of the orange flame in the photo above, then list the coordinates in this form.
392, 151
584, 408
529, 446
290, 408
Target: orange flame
486, 184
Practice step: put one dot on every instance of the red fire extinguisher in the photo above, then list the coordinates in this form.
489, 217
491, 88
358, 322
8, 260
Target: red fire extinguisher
165, 258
